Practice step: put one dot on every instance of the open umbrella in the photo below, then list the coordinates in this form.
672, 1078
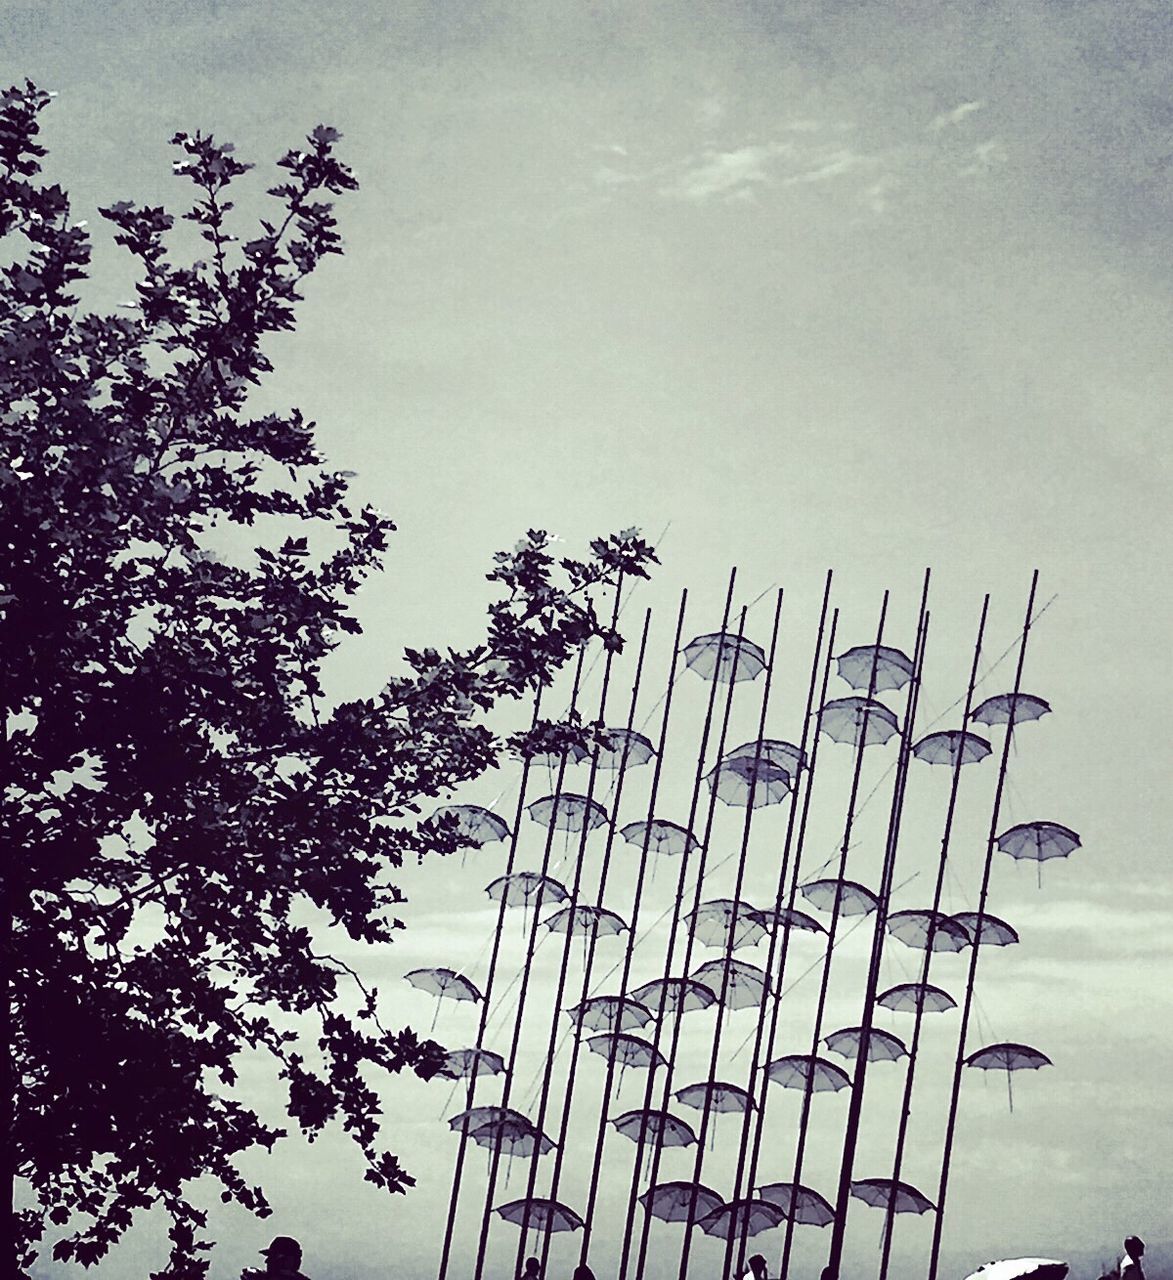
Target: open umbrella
475, 1117
661, 835
567, 811
459, 1064
995, 932
723, 923
474, 824
611, 1013
725, 657
855, 719
526, 889
512, 1135
744, 781
540, 1214
799, 1203
884, 1193
643, 1123
1021, 1269
951, 745
677, 1201
717, 1095
745, 984
1038, 840
445, 983
788, 917
627, 1051
784, 755
679, 995
893, 669
1006, 707
574, 752
742, 1217
586, 920
1008, 1057
853, 899
802, 1071
882, 1045
908, 997
914, 928
618, 747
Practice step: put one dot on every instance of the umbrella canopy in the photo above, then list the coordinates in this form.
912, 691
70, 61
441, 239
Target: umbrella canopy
443, 982
463, 1063
853, 899
1008, 1057
623, 747
586, 920
611, 1013
744, 781
744, 984
951, 746
995, 932
1006, 707
679, 995
914, 928
1021, 1269
677, 1201
567, 811
1038, 840
475, 1117
644, 1123
723, 923
882, 1045
574, 753
627, 1050
784, 755
742, 1217
716, 1095
893, 668
525, 889
857, 719
803, 1071
799, 1203
661, 836
787, 917
908, 997
882, 1193
540, 1214
475, 825
512, 1135
725, 657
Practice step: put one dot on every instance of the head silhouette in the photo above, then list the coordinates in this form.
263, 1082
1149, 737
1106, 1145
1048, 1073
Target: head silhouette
757, 1264
1134, 1246
283, 1256
583, 1272
533, 1268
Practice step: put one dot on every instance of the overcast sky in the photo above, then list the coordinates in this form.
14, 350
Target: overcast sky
870, 287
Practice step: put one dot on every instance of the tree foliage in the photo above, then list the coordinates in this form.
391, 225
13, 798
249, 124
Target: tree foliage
168, 748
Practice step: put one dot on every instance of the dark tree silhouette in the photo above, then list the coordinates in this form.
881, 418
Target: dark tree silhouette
173, 572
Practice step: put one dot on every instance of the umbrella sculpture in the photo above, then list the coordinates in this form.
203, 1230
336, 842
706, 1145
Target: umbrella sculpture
477, 1116
513, 1135
788, 916
914, 927
614, 744
611, 1013
745, 984
627, 1051
474, 824
724, 923
715, 1096
1008, 1057
799, 1203
540, 1214
442, 983
526, 889
574, 752
744, 781
884, 1193
668, 1130
951, 745
460, 1064
1006, 707
882, 1045
1038, 840
802, 1071
748, 1217
1021, 1269
908, 997
680, 995
995, 932
567, 811
672, 1201
853, 719
590, 923
784, 755
853, 899
661, 835
893, 669
725, 657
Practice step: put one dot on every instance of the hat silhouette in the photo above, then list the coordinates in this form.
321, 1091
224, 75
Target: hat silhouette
284, 1246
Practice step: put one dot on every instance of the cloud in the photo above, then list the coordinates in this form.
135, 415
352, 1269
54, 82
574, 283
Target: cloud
726, 173
948, 118
833, 165
986, 156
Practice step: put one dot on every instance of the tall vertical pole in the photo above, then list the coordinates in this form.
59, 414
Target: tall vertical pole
955, 1094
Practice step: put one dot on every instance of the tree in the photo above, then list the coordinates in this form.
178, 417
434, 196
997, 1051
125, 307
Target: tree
173, 573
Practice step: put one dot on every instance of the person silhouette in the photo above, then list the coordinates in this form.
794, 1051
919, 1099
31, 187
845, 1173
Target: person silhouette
583, 1272
532, 1270
1130, 1268
282, 1258
755, 1268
